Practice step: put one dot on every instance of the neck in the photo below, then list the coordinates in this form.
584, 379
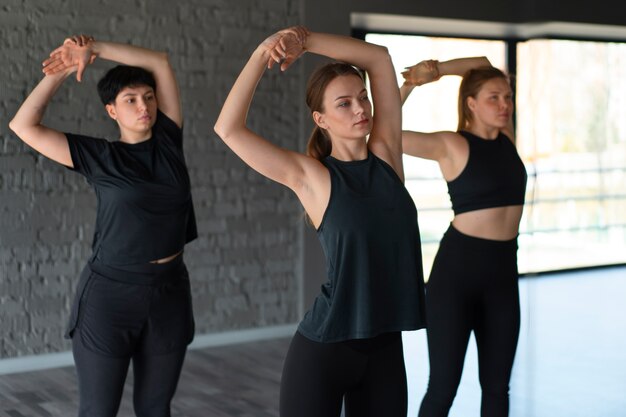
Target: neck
484, 132
354, 150
134, 137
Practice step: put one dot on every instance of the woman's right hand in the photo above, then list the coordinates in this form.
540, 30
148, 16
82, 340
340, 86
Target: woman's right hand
421, 73
75, 54
285, 46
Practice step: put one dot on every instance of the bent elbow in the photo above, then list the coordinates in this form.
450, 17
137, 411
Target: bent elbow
382, 52
223, 130
219, 129
14, 126
385, 55
163, 56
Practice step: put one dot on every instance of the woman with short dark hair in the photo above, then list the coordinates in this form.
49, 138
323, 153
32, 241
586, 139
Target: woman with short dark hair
133, 301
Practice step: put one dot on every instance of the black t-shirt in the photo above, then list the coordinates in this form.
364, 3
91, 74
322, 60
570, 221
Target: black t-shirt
145, 211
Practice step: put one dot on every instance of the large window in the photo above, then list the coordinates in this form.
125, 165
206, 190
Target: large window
571, 129
571, 134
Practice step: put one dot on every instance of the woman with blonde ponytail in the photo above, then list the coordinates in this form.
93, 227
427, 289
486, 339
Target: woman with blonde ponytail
348, 347
473, 283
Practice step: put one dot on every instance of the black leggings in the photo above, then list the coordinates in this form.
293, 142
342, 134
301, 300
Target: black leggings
368, 374
140, 313
101, 381
473, 286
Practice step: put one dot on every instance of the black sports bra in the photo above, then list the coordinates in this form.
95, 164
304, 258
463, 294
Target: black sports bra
493, 177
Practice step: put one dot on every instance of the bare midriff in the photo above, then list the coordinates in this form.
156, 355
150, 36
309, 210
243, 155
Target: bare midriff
497, 223
166, 259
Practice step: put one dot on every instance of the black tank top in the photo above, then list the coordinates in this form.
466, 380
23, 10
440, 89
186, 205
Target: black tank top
493, 177
371, 241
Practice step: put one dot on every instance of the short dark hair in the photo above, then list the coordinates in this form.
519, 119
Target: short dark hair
120, 77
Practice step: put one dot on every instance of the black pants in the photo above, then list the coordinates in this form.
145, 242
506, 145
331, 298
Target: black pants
368, 374
473, 287
139, 313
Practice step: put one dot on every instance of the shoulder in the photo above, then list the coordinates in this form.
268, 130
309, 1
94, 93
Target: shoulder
461, 138
78, 141
390, 156
457, 146
88, 154
166, 128
165, 121
506, 134
301, 173
463, 134
453, 140
386, 166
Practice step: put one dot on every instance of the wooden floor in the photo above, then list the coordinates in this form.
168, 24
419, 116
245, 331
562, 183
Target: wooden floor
571, 361
241, 380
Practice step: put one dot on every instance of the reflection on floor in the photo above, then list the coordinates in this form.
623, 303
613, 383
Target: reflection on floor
571, 361
571, 357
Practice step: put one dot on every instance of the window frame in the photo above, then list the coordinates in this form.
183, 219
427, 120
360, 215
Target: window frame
511, 43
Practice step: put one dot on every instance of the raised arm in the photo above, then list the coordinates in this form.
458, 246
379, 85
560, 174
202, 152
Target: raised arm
27, 121
76, 50
419, 74
431, 70
306, 176
437, 145
284, 47
274, 162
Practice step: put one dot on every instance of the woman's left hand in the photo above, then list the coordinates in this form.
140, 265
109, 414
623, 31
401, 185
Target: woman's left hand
421, 73
75, 51
286, 46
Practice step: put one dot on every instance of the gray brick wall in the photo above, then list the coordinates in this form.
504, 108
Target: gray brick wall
245, 264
